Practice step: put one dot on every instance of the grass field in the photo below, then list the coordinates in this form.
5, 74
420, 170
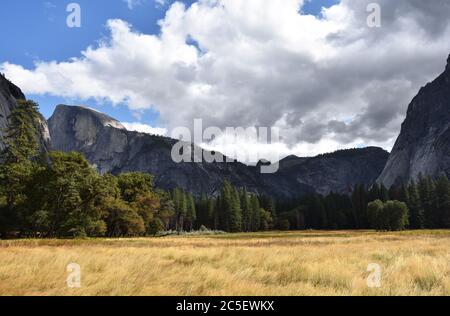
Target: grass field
292, 263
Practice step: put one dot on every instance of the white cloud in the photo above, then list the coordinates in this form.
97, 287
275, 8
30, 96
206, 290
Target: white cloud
144, 128
328, 82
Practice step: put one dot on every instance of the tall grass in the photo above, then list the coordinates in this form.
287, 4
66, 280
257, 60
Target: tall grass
294, 263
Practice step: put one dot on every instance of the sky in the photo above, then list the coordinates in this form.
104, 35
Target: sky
314, 69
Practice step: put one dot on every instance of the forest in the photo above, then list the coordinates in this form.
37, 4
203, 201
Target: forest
60, 195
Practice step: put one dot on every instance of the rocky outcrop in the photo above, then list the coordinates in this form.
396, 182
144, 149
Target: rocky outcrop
423, 146
9, 94
112, 148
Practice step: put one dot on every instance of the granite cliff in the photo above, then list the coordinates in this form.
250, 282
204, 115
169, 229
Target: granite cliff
423, 146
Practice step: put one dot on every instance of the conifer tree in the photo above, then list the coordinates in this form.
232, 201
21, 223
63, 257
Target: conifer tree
18, 165
443, 201
236, 212
246, 210
427, 197
256, 213
191, 214
416, 214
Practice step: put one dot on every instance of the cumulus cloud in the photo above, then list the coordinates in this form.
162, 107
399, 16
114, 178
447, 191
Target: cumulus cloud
327, 82
144, 128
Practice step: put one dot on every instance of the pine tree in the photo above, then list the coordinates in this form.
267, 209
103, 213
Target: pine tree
191, 214
256, 214
416, 215
18, 165
359, 200
236, 212
246, 210
22, 133
213, 218
202, 212
226, 207
384, 193
180, 201
428, 200
443, 201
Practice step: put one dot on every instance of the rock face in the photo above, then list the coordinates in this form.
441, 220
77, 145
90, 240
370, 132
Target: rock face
9, 94
109, 146
423, 146
338, 172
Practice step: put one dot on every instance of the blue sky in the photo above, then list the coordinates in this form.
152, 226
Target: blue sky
36, 30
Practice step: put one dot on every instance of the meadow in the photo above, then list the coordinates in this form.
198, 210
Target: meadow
260, 264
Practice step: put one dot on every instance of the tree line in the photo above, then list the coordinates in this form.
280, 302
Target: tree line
421, 204
59, 194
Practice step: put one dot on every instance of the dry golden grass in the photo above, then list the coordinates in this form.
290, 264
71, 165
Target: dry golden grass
294, 263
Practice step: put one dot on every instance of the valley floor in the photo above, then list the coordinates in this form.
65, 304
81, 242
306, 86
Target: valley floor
285, 263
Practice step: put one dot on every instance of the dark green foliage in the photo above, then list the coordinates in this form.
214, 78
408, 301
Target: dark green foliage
134, 184
21, 139
156, 226
389, 216
443, 201
416, 216
284, 224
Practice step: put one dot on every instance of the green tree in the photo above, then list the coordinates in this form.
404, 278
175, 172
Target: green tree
389, 216
134, 184
256, 213
416, 215
18, 165
246, 210
76, 196
156, 226
191, 214
443, 201
397, 212
21, 141
122, 220
181, 208
374, 214
428, 200
266, 220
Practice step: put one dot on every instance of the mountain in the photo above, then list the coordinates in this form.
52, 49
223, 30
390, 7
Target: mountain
336, 172
112, 148
423, 146
9, 94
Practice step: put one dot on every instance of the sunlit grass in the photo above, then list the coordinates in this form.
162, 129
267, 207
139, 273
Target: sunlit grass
284, 263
